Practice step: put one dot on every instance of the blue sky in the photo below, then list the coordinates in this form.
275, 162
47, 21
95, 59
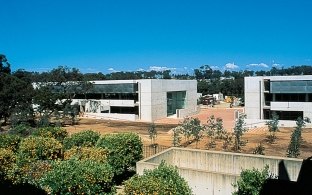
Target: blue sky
180, 35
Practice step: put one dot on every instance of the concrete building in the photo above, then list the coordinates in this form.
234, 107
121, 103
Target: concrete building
146, 99
289, 96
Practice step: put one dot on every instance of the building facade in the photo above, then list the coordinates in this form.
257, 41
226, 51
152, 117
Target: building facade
289, 96
146, 99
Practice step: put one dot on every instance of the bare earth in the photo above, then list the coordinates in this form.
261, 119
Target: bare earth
164, 135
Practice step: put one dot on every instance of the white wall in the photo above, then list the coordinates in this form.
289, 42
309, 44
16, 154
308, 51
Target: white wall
252, 97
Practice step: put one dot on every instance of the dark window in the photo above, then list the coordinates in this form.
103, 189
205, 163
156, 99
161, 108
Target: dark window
125, 110
283, 115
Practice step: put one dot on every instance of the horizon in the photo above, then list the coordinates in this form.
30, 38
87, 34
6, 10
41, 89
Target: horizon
103, 36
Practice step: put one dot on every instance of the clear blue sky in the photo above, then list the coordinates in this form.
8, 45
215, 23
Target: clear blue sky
128, 35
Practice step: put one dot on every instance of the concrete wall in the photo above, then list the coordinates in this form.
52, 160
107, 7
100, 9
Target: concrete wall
212, 172
252, 97
153, 100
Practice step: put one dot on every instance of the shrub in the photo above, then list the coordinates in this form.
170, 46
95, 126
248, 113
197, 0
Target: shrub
251, 181
163, 180
29, 172
57, 133
86, 153
78, 177
9, 141
7, 161
86, 138
124, 150
21, 129
39, 148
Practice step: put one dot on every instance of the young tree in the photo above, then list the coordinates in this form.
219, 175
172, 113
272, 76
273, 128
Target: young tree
273, 127
152, 132
239, 130
192, 127
176, 136
293, 150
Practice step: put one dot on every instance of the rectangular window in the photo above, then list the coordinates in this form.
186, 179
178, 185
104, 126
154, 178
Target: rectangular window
175, 100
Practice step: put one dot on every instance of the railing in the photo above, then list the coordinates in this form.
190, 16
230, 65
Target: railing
150, 150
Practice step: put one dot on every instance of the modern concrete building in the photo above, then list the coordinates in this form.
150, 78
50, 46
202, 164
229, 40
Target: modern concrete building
289, 96
146, 99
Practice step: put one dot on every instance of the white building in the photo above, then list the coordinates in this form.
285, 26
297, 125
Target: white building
289, 96
146, 99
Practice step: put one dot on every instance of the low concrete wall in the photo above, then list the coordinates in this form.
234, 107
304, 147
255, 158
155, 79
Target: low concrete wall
212, 172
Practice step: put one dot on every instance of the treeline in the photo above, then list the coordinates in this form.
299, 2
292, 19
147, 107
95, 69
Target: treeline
18, 95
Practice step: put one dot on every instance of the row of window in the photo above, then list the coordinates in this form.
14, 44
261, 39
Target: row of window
108, 96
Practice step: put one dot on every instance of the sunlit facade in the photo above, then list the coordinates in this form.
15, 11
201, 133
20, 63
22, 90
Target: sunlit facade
146, 99
289, 96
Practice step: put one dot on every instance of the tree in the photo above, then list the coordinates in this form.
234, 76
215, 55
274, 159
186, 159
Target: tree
56, 92
152, 132
15, 95
251, 181
215, 130
124, 150
293, 150
78, 177
176, 136
273, 127
165, 179
239, 130
5, 66
192, 127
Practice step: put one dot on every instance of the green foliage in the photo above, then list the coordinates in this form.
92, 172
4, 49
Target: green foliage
87, 153
152, 132
251, 181
39, 148
191, 127
7, 161
214, 130
293, 150
57, 133
163, 180
28, 172
9, 141
124, 150
273, 127
78, 177
21, 129
87, 138
239, 130
176, 136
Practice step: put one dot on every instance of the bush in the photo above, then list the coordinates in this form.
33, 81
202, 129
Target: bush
21, 129
87, 153
78, 177
39, 148
7, 161
251, 181
86, 138
57, 133
9, 141
124, 150
29, 172
163, 180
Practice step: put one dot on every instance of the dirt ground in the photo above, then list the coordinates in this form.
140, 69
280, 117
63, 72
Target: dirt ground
164, 136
